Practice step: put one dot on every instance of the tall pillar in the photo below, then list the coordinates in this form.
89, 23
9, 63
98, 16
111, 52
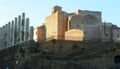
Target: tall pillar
23, 26
5, 36
27, 29
18, 29
15, 31
31, 33
12, 32
8, 34
0, 38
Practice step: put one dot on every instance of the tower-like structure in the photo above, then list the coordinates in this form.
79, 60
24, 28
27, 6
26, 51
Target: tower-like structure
56, 23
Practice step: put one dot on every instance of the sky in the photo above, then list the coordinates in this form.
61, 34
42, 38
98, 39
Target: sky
37, 10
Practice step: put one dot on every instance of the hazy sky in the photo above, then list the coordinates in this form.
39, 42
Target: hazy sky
37, 10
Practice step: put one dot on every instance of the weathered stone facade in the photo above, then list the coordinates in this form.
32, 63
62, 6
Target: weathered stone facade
107, 31
110, 32
116, 33
74, 34
90, 22
60, 22
39, 33
56, 24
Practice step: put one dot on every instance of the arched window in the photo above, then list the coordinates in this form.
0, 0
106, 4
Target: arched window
90, 20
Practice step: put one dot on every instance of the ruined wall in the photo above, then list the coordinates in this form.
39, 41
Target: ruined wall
39, 33
74, 34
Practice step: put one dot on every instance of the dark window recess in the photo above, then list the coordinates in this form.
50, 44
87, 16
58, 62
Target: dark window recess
117, 59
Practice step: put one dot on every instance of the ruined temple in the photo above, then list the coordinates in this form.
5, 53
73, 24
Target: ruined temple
79, 25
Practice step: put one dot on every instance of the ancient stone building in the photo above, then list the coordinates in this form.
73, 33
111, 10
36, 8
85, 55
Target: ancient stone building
60, 24
79, 25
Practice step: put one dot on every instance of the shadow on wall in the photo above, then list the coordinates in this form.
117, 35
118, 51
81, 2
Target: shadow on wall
117, 61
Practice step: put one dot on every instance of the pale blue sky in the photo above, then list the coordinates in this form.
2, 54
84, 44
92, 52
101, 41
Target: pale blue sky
37, 10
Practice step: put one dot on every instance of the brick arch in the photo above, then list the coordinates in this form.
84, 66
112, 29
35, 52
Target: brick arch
74, 21
90, 20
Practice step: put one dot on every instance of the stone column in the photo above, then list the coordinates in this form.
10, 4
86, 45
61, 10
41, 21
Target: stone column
9, 34
15, 31
18, 29
12, 32
2, 42
5, 36
31, 33
1, 39
23, 26
27, 29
